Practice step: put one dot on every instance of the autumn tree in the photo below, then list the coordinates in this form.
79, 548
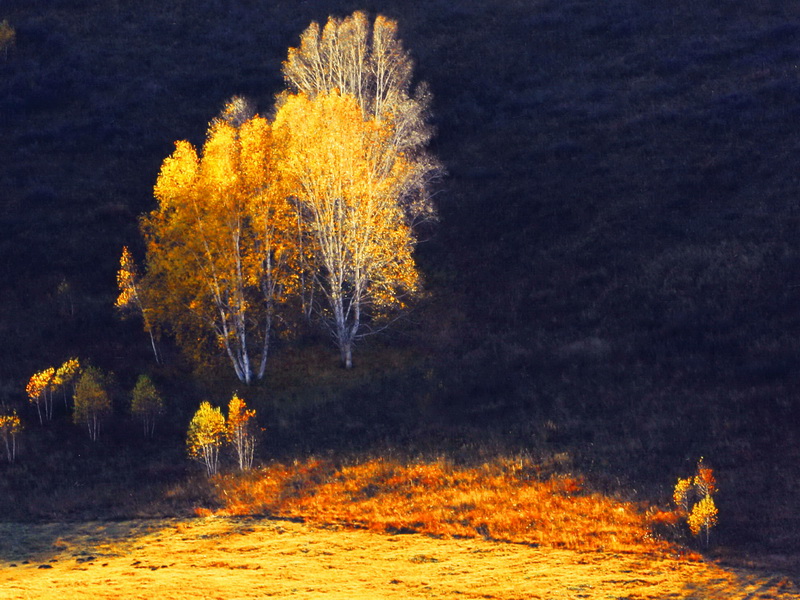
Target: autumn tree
368, 61
241, 432
10, 426
146, 404
129, 298
205, 436
346, 182
40, 392
218, 256
65, 378
92, 403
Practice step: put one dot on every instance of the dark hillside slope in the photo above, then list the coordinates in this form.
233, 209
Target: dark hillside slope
618, 252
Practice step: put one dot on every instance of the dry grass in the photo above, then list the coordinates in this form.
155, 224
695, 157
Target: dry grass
506, 500
255, 558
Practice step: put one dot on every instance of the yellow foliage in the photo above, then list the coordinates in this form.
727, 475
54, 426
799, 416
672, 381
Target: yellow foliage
696, 492
67, 373
348, 181
214, 272
10, 426
681, 493
39, 383
205, 436
703, 516
241, 431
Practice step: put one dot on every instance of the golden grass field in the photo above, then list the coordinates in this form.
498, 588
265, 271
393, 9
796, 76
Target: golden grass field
238, 558
316, 530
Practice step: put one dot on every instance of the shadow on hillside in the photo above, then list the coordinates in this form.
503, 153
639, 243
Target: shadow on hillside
84, 542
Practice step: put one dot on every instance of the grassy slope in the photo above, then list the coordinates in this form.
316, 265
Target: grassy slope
615, 272
249, 558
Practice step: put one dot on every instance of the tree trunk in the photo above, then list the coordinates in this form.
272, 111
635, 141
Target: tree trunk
346, 352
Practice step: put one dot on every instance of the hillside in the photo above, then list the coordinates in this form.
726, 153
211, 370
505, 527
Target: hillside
614, 278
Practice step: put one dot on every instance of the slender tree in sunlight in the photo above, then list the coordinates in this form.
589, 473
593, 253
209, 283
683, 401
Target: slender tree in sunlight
40, 392
703, 517
10, 427
65, 378
218, 253
146, 404
206, 435
346, 182
129, 298
92, 404
241, 432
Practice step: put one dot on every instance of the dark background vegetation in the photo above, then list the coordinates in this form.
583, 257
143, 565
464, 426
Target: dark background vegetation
614, 281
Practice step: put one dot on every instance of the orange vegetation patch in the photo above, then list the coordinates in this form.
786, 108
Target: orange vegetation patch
505, 500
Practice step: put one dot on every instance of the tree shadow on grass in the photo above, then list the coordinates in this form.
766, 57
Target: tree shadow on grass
45, 543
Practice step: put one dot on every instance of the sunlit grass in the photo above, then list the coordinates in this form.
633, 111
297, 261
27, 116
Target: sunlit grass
247, 558
506, 500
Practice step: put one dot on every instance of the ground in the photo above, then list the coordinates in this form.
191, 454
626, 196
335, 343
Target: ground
227, 558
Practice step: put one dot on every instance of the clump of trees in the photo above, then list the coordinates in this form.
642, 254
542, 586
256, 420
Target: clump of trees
309, 216
693, 497
44, 384
209, 430
89, 388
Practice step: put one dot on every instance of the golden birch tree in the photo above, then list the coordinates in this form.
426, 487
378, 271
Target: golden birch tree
368, 61
40, 389
241, 432
66, 376
218, 257
205, 436
346, 181
10, 426
92, 403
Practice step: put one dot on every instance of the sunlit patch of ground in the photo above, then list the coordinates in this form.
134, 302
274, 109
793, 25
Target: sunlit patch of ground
508, 499
257, 558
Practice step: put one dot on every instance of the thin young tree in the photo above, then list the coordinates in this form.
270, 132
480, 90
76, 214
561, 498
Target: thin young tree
65, 378
10, 426
205, 436
146, 404
92, 403
40, 392
346, 181
241, 432
129, 299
